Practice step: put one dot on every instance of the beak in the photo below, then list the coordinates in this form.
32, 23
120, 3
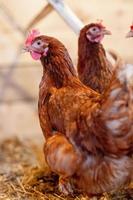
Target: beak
25, 49
129, 34
106, 32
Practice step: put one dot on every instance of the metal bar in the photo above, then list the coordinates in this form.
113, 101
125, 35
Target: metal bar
10, 19
4, 67
7, 76
22, 92
18, 100
66, 13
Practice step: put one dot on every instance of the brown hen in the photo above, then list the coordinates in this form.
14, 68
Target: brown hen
130, 33
94, 69
88, 137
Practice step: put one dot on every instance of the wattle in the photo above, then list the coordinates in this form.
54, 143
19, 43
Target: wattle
35, 55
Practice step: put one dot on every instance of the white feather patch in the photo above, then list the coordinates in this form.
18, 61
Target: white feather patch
126, 74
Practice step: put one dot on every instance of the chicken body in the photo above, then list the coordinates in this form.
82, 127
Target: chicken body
87, 134
94, 69
72, 112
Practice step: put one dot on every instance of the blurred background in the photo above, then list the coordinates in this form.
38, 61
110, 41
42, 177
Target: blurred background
20, 75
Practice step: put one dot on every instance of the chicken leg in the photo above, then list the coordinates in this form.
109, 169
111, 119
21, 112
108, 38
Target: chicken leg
63, 159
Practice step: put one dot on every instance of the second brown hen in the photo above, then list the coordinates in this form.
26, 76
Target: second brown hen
94, 68
88, 137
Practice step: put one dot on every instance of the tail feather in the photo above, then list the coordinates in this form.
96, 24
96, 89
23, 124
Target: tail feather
117, 58
117, 110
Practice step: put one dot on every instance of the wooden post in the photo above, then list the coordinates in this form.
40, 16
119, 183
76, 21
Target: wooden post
42, 14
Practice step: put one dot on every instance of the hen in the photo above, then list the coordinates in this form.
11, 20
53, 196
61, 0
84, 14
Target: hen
130, 33
89, 137
94, 69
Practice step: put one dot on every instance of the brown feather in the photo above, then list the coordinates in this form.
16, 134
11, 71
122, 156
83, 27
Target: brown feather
94, 69
80, 142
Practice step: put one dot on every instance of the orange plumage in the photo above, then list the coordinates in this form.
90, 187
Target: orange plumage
89, 137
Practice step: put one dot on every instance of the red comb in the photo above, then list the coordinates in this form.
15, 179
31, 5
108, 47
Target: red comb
131, 27
31, 36
100, 21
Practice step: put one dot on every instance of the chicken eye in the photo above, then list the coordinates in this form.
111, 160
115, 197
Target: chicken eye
38, 43
94, 30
